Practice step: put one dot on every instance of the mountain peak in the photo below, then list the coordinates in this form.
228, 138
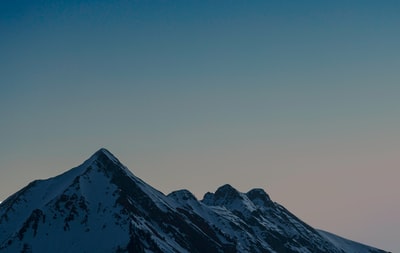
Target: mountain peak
226, 191
259, 197
224, 194
104, 159
103, 153
182, 195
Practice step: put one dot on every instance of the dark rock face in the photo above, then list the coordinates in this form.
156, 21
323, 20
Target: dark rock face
259, 197
101, 206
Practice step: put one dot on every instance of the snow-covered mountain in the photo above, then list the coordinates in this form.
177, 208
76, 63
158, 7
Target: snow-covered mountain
100, 206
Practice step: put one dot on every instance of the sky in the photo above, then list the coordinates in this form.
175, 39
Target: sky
300, 98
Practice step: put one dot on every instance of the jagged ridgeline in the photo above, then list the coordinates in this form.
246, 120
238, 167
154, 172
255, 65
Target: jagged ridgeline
100, 206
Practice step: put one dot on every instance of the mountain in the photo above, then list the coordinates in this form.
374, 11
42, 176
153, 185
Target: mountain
100, 206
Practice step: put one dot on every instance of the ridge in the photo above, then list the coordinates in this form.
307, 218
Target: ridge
101, 206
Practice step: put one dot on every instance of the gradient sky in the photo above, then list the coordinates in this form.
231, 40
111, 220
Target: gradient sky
300, 98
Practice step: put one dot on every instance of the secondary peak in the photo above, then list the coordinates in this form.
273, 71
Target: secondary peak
259, 197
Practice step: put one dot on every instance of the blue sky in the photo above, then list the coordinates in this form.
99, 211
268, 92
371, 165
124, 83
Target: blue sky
299, 98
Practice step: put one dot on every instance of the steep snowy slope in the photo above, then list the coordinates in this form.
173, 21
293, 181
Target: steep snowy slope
101, 206
76, 211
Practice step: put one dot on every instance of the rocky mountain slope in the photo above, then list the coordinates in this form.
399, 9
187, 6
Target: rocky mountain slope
100, 206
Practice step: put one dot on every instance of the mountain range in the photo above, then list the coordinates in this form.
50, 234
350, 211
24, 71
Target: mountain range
100, 206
